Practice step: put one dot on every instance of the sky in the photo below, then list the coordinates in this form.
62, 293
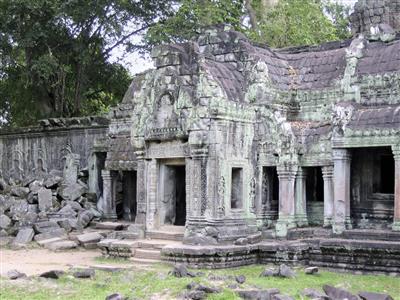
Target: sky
137, 64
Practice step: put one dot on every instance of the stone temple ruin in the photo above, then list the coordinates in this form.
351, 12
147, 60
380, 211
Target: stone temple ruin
257, 154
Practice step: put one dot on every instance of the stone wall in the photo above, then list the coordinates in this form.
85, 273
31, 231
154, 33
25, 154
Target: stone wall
369, 13
40, 149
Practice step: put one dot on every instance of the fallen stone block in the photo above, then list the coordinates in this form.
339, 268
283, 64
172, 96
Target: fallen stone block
72, 191
15, 274
61, 245
258, 294
19, 191
5, 222
45, 199
285, 271
84, 273
314, 294
91, 237
181, 271
24, 236
240, 279
45, 226
49, 241
109, 226
53, 274
60, 232
338, 294
115, 296
195, 295
84, 218
311, 270
269, 272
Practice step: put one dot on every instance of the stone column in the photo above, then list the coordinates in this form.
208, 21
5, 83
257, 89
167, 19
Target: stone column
396, 217
141, 189
341, 173
108, 205
286, 220
327, 175
152, 219
71, 168
301, 198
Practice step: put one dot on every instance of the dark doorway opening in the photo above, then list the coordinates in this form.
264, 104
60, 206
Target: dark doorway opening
237, 188
386, 174
100, 163
129, 179
314, 195
270, 189
173, 195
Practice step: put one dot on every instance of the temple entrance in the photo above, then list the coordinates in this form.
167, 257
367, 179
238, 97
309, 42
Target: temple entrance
270, 192
129, 195
172, 194
314, 195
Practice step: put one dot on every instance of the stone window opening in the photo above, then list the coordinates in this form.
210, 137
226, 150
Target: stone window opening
237, 188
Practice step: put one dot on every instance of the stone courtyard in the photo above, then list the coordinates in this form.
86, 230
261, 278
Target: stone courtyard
226, 154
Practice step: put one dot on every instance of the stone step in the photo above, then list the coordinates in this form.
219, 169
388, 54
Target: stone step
147, 254
115, 226
164, 235
152, 244
371, 234
61, 245
143, 261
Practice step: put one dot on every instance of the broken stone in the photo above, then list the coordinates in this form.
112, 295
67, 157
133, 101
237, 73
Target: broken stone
91, 237
35, 186
115, 296
200, 287
15, 274
52, 182
65, 224
84, 218
53, 274
24, 236
269, 272
18, 209
19, 191
84, 273
338, 294
27, 181
181, 271
285, 271
254, 238
3, 185
374, 296
5, 222
45, 199
314, 294
241, 241
45, 226
61, 245
195, 295
67, 211
72, 192
54, 233
258, 294
311, 270
240, 279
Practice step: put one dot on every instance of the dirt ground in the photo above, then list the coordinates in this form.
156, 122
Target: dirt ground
37, 261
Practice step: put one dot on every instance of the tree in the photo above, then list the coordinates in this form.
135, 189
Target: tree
280, 23
55, 54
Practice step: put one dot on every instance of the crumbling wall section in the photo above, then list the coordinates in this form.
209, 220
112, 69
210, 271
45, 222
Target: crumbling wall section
37, 150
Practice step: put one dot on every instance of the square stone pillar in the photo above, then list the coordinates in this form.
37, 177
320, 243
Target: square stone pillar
396, 216
341, 175
108, 205
286, 220
327, 175
301, 198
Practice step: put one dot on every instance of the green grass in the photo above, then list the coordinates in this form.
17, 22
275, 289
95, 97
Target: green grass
143, 283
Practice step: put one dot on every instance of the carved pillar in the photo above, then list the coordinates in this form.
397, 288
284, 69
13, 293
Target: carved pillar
141, 189
301, 202
198, 201
152, 177
396, 216
342, 164
108, 205
287, 176
327, 175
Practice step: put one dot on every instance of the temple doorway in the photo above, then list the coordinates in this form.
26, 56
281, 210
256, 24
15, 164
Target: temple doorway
172, 194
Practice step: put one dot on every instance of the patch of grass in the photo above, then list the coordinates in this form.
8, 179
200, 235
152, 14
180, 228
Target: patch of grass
139, 283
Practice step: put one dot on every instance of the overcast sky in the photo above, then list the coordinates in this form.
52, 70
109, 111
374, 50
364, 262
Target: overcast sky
137, 64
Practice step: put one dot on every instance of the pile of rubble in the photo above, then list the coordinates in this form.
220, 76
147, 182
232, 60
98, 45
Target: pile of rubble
47, 205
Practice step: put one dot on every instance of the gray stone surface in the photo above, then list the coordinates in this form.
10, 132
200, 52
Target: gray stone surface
5, 222
374, 296
45, 199
84, 273
61, 245
15, 274
311, 270
115, 296
338, 293
53, 274
91, 237
53, 233
19, 191
72, 191
24, 236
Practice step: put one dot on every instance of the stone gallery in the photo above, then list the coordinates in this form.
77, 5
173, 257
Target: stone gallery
243, 144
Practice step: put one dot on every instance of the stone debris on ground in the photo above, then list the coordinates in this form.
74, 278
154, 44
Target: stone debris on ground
84, 273
48, 206
15, 274
282, 271
52, 274
181, 271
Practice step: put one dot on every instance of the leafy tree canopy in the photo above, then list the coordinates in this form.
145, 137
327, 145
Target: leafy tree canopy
54, 54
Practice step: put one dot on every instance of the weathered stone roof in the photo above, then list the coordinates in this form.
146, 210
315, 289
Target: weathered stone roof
386, 117
380, 58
